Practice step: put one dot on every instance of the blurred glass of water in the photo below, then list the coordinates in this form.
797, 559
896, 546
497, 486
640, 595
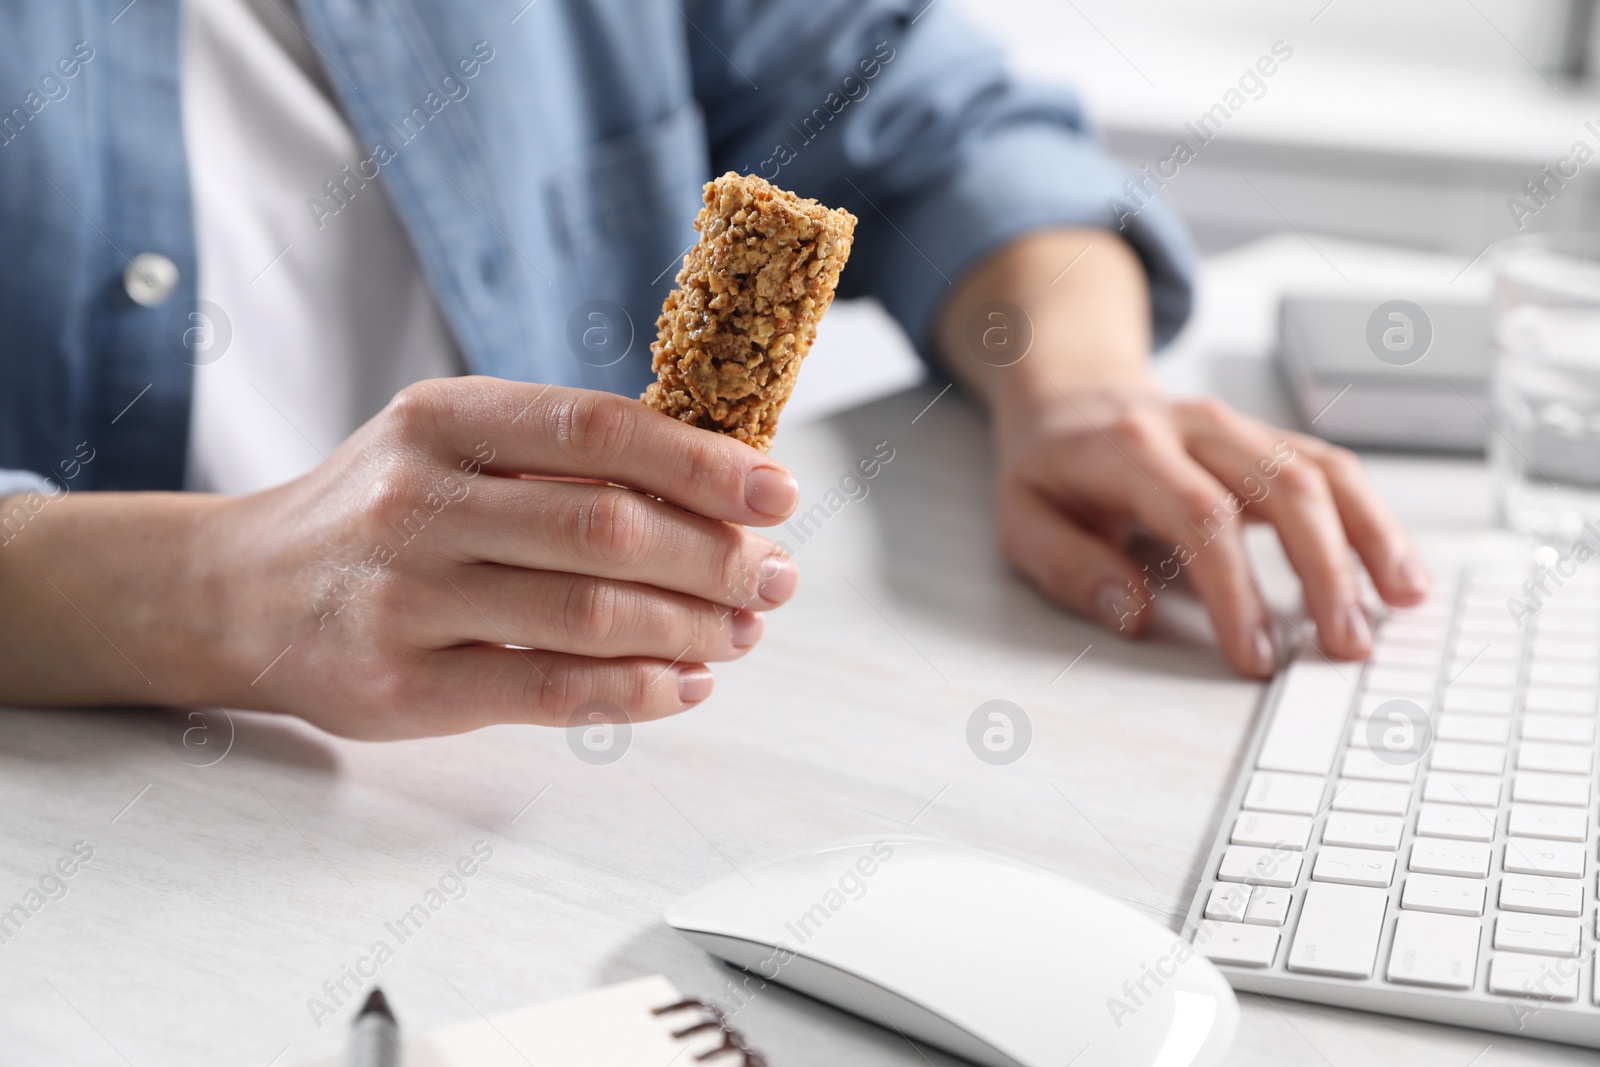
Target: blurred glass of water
1545, 445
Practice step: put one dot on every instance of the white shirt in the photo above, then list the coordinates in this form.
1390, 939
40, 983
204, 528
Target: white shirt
327, 323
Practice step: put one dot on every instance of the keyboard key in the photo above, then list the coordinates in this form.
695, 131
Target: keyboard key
1459, 726
1557, 859
1362, 763
1371, 700
1488, 624
1533, 976
1544, 935
1259, 866
1571, 728
1309, 720
1481, 600
1541, 896
1574, 675
1392, 737
1418, 655
1540, 787
1552, 824
1290, 794
1555, 648
1580, 597
1406, 681
1362, 831
1552, 756
1424, 633
1481, 790
1568, 620
1450, 857
1391, 723
1462, 756
1456, 821
1493, 580
1377, 798
1237, 943
1435, 950
1482, 672
1559, 701
1266, 831
1440, 893
1268, 906
1338, 931
1228, 902
1353, 866
1469, 650
1479, 701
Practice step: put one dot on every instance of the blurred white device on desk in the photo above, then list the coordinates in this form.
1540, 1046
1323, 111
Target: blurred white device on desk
1415, 835
1388, 373
998, 961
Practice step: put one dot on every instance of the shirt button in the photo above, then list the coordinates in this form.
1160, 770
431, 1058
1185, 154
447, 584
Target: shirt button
150, 279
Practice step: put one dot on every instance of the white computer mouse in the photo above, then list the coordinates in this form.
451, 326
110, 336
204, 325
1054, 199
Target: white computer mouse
993, 959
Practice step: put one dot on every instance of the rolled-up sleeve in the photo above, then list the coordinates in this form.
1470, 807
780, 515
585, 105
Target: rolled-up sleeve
12, 482
913, 122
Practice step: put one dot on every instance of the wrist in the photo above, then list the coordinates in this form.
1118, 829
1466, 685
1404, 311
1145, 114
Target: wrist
106, 609
207, 602
1055, 312
160, 588
1045, 387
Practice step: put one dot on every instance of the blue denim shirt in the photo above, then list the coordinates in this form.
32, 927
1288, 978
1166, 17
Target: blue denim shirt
545, 160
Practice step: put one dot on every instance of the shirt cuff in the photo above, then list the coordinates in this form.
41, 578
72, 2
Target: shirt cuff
12, 481
1017, 180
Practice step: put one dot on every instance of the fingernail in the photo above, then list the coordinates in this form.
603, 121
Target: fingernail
694, 684
747, 628
1107, 606
1357, 633
776, 579
1413, 575
771, 491
1266, 655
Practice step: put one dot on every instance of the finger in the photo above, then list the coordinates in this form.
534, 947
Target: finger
1297, 501
478, 685
540, 429
1377, 536
1186, 506
588, 616
1182, 503
611, 532
1075, 568
1209, 545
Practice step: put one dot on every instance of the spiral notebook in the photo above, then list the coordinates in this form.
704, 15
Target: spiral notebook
645, 1022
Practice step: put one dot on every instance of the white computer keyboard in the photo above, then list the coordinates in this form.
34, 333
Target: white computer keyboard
1416, 835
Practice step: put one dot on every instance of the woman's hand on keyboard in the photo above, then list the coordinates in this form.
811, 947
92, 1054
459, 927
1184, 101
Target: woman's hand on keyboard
1082, 474
1090, 452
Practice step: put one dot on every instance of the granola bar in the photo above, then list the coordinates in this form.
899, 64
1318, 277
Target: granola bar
744, 314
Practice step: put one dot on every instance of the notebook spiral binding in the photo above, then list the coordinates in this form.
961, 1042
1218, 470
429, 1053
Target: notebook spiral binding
716, 1019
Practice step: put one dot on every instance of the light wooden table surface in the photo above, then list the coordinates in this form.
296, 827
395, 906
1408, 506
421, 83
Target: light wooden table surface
220, 898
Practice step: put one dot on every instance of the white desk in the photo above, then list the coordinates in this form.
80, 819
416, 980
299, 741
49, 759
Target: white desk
220, 900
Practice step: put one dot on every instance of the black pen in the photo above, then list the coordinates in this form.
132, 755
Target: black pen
375, 1036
